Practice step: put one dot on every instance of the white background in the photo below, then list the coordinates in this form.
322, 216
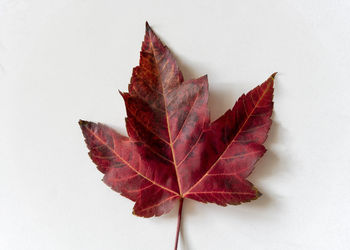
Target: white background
61, 61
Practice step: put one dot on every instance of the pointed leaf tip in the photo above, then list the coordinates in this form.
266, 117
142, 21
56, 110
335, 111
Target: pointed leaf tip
148, 27
82, 122
258, 194
120, 92
273, 75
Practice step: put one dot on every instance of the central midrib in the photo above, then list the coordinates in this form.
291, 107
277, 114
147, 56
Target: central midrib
171, 145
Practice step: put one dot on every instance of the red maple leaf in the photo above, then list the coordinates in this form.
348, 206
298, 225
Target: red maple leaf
173, 150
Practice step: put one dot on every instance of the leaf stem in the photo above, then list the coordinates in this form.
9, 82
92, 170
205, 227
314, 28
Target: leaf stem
178, 223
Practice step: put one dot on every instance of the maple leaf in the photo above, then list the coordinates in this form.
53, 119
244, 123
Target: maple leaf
173, 150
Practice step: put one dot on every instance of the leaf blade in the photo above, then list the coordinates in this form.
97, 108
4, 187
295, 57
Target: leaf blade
173, 151
120, 160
